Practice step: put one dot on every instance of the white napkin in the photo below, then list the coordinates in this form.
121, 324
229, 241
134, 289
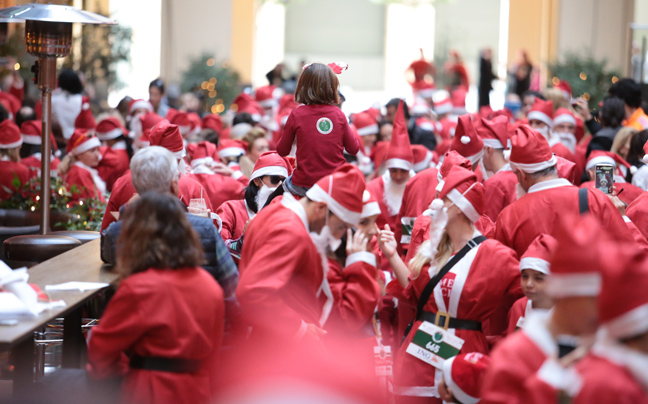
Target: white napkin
80, 286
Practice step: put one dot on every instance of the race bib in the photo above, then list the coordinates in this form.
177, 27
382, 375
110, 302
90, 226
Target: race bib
383, 361
407, 224
433, 345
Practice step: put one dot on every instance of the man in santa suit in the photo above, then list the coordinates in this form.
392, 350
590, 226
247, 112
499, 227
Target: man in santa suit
501, 187
541, 119
468, 143
389, 188
168, 136
285, 297
596, 157
367, 128
574, 284
548, 197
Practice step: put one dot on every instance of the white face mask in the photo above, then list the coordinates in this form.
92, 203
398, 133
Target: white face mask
262, 196
568, 139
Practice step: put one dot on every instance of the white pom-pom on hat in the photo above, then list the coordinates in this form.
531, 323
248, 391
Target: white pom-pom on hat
365, 196
465, 139
436, 204
645, 159
507, 154
85, 106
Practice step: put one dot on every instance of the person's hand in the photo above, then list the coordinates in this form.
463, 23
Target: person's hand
356, 242
582, 108
444, 392
387, 242
221, 169
618, 203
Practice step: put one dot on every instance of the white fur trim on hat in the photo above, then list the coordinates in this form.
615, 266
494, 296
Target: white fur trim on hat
180, 154
113, 134
645, 160
317, 194
426, 93
629, 324
270, 170
141, 104
534, 168
269, 103
370, 209
564, 118
231, 151
464, 204
204, 160
368, 130
600, 160
443, 108
537, 264
184, 129
540, 116
474, 159
361, 256
31, 139
11, 145
570, 285
459, 394
399, 163
493, 143
425, 163
87, 145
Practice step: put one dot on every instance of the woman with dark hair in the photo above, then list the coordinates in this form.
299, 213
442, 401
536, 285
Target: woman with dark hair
162, 330
67, 101
157, 97
116, 157
635, 158
612, 115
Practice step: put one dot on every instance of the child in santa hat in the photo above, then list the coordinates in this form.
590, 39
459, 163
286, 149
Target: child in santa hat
78, 166
10, 167
319, 128
462, 378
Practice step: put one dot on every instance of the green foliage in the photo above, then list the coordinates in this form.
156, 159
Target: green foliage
14, 48
574, 67
220, 91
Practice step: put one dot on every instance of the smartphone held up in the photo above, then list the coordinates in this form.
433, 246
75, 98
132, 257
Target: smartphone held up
605, 178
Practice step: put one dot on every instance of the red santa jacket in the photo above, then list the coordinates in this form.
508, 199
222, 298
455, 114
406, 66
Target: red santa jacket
218, 187
123, 191
629, 194
500, 191
561, 150
33, 162
537, 211
468, 292
164, 313
234, 214
520, 310
87, 182
637, 211
114, 163
9, 171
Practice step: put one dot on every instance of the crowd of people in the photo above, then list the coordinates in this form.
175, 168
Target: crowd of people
408, 253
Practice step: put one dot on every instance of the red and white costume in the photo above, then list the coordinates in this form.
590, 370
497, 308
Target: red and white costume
115, 161
464, 375
637, 211
87, 180
31, 134
9, 170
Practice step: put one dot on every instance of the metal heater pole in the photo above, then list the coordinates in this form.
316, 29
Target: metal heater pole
46, 83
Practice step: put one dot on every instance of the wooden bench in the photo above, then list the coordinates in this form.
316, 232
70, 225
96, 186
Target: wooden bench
82, 264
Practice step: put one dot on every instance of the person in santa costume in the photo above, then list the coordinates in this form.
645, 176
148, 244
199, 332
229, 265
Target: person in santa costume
318, 128
230, 151
10, 166
78, 167
168, 136
574, 284
424, 75
534, 269
389, 188
564, 128
141, 124
472, 286
30, 150
630, 192
463, 376
367, 128
468, 143
117, 153
85, 120
548, 197
500, 187
541, 119
286, 297
270, 170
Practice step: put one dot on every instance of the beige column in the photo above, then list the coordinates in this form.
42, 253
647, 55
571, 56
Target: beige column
242, 37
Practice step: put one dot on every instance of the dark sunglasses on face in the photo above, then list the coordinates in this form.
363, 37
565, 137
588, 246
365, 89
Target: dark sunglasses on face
275, 179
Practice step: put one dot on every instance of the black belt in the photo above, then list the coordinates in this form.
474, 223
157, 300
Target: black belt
174, 365
445, 321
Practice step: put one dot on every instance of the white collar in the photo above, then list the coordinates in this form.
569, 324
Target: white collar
535, 327
5, 158
289, 202
544, 185
37, 156
505, 167
120, 145
202, 169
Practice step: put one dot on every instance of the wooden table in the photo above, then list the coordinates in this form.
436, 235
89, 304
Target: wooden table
82, 264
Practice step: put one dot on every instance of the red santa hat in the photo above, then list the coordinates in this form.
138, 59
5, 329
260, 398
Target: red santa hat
171, 112
196, 122
267, 96
31, 132
604, 157
11, 103
110, 128
494, 133
463, 189
566, 169
379, 152
530, 151
85, 120
244, 103
134, 105
201, 153
81, 141
370, 205
464, 375
271, 163
451, 159
343, 192
231, 148
182, 120
338, 67
167, 135
145, 140
466, 141
574, 273
399, 154
149, 120
213, 122
422, 157
565, 88
563, 115
375, 110
645, 157
9, 135
542, 111
623, 302
538, 254
443, 106
458, 98
365, 124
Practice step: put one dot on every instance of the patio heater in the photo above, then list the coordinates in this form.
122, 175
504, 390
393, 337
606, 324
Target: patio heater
48, 36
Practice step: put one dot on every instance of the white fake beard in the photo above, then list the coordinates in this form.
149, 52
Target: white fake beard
262, 196
135, 125
568, 139
545, 132
325, 239
393, 194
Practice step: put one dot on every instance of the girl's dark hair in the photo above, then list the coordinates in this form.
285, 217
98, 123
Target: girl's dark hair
129, 145
159, 84
27, 150
613, 112
636, 152
317, 84
69, 81
157, 234
251, 192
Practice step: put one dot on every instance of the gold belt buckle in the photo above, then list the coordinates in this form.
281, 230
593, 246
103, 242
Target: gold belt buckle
446, 320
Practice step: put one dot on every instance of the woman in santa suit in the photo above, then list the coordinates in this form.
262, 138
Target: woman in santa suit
10, 167
468, 294
116, 156
30, 152
162, 330
78, 167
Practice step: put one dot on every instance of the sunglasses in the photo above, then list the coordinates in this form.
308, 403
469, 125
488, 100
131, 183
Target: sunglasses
275, 179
